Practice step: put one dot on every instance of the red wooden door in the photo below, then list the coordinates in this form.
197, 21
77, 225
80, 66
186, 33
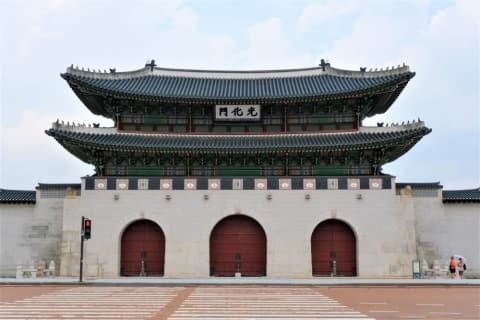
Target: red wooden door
142, 240
238, 244
333, 240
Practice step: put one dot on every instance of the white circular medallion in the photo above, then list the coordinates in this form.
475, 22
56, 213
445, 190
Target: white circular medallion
166, 185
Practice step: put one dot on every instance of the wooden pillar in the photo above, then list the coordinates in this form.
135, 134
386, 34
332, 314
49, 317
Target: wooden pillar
286, 163
189, 119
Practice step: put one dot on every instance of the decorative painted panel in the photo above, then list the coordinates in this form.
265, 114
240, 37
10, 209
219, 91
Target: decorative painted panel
285, 184
100, 184
142, 184
376, 183
309, 184
247, 183
166, 184
353, 184
237, 184
190, 184
214, 184
332, 184
122, 184
260, 184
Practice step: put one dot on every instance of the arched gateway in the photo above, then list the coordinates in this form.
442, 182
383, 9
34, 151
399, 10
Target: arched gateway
143, 249
333, 249
238, 244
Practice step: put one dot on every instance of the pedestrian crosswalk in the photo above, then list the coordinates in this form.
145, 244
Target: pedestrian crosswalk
257, 303
180, 303
92, 303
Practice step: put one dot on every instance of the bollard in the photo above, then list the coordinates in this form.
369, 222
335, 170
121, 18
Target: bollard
19, 273
334, 268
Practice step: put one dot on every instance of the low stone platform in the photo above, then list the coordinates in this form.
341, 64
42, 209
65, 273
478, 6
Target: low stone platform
245, 281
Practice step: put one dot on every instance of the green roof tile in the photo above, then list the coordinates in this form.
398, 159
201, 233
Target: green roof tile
17, 196
470, 195
233, 87
261, 143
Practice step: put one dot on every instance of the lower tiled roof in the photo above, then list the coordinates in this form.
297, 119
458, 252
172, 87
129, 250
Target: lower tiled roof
17, 196
470, 195
237, 143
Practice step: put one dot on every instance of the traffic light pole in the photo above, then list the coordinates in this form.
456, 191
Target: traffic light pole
82, 236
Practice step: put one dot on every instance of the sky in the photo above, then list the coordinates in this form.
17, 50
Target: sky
439, 40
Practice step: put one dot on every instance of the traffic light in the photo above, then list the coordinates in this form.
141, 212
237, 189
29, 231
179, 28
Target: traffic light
87, 228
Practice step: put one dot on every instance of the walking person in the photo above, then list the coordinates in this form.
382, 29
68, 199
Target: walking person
460, 267
453, 268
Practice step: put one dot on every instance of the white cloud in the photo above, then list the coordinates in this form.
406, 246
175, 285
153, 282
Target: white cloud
28, 136
45, 36
444, 53
28, 155
36, 15
55, 4
315, 14
185, 19
270, 46
443, 49
372, 41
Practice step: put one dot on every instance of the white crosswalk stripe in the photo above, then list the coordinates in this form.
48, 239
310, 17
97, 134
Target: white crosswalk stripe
92, 303
262, 303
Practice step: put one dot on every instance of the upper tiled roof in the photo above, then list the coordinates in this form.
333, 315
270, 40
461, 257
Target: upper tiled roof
470, 195
106, 139
239, 86
17, 196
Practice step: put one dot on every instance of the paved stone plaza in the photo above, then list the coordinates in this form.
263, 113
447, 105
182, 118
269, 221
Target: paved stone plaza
238, 302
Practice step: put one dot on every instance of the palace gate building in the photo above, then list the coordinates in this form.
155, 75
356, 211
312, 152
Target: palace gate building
239, 173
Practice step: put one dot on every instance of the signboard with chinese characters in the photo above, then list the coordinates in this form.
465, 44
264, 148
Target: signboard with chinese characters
245, 112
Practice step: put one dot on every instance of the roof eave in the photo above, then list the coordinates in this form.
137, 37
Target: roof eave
400, 145
98, 109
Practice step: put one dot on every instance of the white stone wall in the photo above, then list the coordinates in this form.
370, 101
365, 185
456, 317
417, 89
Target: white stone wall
382, 222
445, 229
15, 247
29, 232
391, 230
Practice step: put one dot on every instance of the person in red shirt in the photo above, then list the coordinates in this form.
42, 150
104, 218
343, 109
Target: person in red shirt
453, 268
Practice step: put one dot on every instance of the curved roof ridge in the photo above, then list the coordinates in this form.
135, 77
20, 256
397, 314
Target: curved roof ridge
82, 127
393, 127
15, 190
60, 126
463, 190
261, 144
153, 70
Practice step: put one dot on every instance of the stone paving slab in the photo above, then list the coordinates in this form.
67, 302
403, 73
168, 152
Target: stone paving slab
242, 281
